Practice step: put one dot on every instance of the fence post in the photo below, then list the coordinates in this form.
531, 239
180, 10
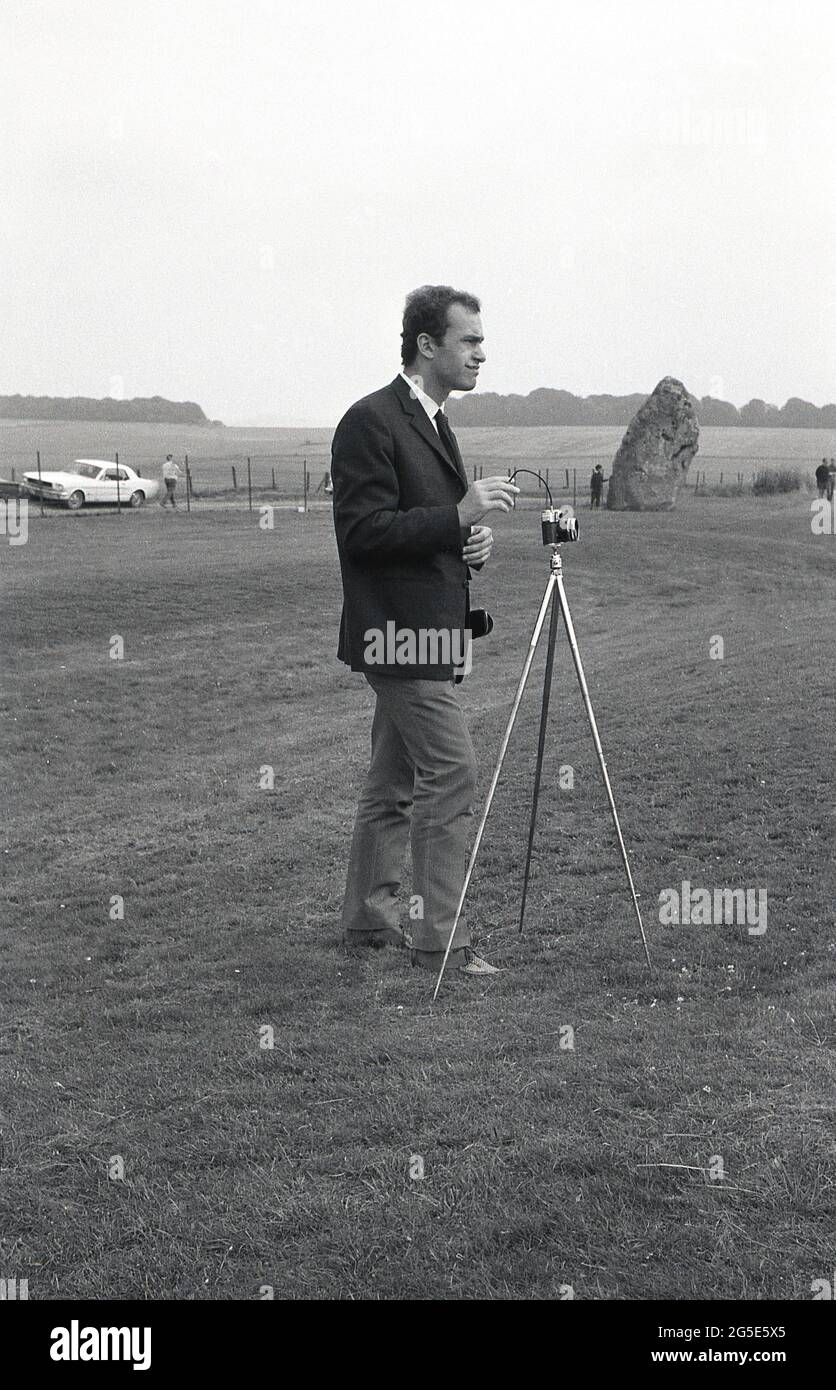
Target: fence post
547, 477
273, 474
13, 475
574, 487
474, 472
249, 485
721, 477
566, 471
40, 488
188, 484
118, 488
234, 479
305, 480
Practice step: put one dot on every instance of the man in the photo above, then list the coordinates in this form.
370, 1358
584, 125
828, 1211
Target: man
170, 475
596, 485
405, 520
822, 473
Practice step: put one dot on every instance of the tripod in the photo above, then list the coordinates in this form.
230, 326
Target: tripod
555, 581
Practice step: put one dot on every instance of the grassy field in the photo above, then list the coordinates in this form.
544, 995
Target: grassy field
212, 451
545, 1167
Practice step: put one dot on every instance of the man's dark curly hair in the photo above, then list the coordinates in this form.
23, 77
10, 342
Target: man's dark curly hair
425, 311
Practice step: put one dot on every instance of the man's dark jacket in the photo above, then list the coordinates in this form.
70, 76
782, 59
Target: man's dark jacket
398, 532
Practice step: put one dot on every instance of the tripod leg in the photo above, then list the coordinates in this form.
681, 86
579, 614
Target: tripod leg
576, 657
541, 744
532, 647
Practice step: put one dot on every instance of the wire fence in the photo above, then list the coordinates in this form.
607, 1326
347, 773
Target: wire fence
724, 474
303, 481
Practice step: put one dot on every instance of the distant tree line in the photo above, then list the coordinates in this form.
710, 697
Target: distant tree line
154, 410
550, 407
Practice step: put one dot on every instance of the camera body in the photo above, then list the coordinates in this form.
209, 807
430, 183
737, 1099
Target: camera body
559, 525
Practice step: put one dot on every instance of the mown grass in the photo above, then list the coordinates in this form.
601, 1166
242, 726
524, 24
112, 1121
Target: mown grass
544, 1166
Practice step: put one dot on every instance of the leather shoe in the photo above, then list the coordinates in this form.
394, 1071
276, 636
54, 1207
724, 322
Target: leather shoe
464, 958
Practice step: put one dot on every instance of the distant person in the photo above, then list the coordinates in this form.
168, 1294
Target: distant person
822, 477
171, 474
596, 486
831, 480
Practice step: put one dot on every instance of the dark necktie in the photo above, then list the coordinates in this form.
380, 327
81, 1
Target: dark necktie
448, 439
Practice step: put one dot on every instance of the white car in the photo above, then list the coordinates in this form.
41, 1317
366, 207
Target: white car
92, 480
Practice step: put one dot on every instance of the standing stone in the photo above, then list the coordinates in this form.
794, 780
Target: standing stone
653, 458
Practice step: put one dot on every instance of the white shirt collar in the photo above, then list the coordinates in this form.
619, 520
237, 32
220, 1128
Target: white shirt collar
431, 407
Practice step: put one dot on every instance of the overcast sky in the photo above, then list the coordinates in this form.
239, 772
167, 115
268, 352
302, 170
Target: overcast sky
226, 200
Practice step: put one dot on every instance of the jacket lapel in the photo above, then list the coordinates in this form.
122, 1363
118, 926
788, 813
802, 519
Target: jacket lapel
420, 421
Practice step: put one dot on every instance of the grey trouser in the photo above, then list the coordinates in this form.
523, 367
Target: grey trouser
420, 790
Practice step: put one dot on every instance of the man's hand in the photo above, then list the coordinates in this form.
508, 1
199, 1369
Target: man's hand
486, 495
479, 544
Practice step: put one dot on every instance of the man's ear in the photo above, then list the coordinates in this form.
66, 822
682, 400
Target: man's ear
426, 345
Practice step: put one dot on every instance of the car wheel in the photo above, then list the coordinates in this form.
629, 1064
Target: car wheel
75, 500
137, 499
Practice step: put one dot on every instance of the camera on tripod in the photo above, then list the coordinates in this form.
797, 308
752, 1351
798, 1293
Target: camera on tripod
559, 525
